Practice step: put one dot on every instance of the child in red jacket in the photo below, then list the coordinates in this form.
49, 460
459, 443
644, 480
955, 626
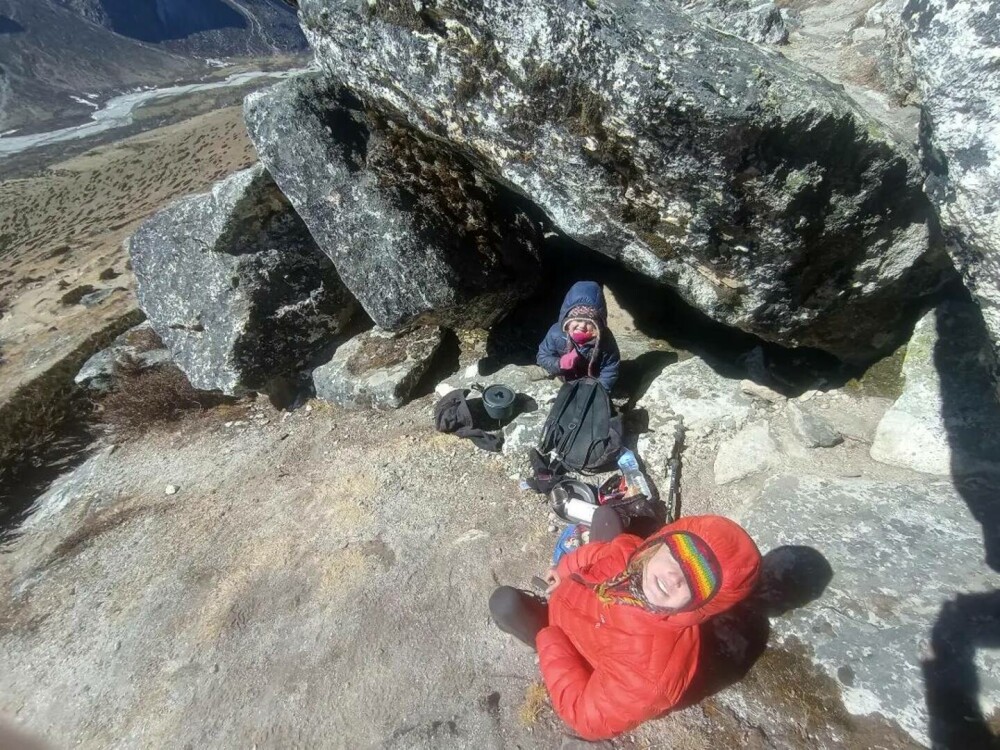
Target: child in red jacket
618, 641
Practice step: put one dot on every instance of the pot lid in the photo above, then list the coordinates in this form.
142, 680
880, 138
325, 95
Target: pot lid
498, 396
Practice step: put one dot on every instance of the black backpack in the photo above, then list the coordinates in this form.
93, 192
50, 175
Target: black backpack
581, 432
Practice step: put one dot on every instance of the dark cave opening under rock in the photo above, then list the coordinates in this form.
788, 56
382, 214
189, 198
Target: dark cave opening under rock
667, 328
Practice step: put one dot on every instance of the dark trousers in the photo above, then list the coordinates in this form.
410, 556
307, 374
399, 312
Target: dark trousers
521, 613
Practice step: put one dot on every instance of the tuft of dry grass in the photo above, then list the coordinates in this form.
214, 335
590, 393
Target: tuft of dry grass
73, 296
37, 414
140, 400
144, 339
536, 699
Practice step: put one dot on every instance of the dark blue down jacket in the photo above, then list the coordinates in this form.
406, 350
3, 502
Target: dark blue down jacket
605, 359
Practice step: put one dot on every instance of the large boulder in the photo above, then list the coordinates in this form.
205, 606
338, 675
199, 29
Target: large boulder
754, 187
698, 394
905, 630
947, 420
689, 401
377, 368
415, 230
759, 22
954, 50
234, 285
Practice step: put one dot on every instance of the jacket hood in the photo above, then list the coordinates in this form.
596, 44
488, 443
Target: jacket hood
587, 293
737, 555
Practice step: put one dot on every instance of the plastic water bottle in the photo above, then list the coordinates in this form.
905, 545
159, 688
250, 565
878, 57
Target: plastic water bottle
634, 477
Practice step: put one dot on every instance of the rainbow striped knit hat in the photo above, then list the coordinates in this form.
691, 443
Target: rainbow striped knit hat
699, 565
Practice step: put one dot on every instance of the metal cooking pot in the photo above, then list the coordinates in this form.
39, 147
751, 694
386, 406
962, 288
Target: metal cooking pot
499, 402
574, 501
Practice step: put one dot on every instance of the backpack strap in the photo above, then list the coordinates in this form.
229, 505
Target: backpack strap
576, 423
552, 422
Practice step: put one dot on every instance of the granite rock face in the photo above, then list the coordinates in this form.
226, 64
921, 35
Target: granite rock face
905, 629
954, 51
759, 22
748, 452
755, 188
417, 233
234, 285
947, 421
698, 394
377, 368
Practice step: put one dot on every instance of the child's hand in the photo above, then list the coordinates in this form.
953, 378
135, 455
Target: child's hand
567, 362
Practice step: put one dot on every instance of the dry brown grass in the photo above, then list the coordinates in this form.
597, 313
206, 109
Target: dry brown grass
141, 400
63, 228
73, 296
96, 199
38, 413
536, 699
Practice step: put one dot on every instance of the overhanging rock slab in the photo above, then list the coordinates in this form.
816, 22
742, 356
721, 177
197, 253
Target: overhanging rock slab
754, 187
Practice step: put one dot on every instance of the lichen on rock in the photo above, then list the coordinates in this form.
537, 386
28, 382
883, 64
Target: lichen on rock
417, 232
755, 188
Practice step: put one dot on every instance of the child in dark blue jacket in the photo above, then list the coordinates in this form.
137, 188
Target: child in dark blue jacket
580, 344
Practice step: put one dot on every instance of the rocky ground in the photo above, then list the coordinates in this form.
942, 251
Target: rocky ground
319, 578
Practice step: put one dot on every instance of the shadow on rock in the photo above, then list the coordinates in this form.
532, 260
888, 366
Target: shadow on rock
635, 375
791, 577
965, 624
970, 410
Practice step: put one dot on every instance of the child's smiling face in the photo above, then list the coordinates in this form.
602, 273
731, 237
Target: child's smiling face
581, 326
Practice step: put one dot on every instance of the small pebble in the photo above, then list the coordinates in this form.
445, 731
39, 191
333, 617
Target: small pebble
170, 489
553, 528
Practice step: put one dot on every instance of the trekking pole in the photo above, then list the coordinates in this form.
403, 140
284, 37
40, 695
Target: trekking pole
674, 474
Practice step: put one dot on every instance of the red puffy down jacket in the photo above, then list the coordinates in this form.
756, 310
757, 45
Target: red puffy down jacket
609, 667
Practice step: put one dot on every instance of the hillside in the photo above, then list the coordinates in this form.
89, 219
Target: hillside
216, 28
58, 58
